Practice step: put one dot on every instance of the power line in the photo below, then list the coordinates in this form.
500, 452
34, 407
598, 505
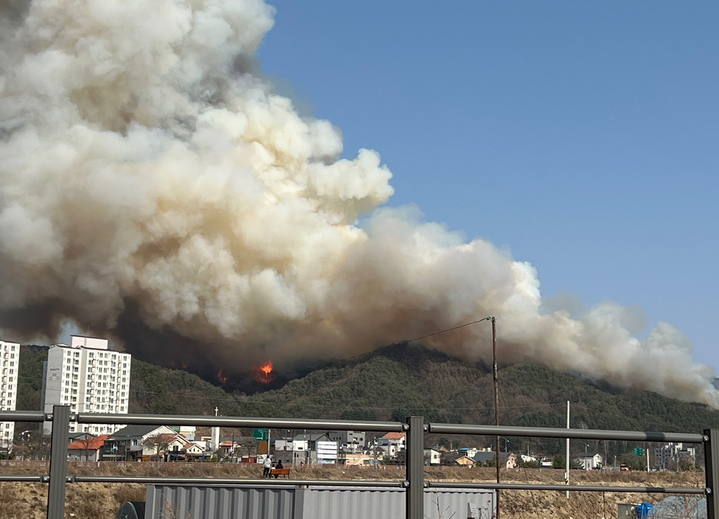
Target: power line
288, 374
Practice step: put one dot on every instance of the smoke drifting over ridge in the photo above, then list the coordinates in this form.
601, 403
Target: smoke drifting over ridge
154, 187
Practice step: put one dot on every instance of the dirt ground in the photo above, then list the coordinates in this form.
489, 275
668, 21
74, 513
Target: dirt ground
102, 500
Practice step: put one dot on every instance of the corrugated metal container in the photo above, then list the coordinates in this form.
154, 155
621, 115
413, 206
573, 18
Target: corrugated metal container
317, 502
458, 503
181, 502
353, 503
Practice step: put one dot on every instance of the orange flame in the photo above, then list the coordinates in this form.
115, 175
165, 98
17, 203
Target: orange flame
264, 372
184, 365
221, 377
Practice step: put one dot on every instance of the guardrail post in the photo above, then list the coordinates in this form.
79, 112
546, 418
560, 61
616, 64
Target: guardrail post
711, 470
58, 462
415, 467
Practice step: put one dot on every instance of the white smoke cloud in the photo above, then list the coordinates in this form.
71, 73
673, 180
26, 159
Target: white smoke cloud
147, 169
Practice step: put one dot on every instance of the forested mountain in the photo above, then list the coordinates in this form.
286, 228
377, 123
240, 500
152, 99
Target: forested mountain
397, 381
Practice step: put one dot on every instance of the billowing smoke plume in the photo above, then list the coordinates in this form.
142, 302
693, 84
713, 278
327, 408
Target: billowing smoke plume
153, 186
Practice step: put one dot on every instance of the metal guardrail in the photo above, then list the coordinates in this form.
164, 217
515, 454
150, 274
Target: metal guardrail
414, 482
248, 423
244, 482
580, 434
570, 488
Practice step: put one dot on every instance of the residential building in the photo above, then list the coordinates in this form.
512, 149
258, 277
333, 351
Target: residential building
348, 441
464, 461
90, 378
356, 460
9, 361
188, 431
306, 448
238, 447
432, 457
392, 443
130, 443
526, 458
670, 453
470, 452
193, 451
88, 448
508, 460
165, 446
590, 461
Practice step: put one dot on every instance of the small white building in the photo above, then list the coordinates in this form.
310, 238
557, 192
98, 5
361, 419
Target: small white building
432, 457
590, 461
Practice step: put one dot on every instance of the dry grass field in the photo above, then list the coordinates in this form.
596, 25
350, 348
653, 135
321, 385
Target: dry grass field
101, 501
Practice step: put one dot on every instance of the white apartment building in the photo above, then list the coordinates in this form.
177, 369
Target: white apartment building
9, 361
90, 378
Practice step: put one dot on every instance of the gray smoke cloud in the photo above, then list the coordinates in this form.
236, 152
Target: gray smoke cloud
153, 186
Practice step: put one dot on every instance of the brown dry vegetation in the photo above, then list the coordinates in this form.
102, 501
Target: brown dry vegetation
102, 500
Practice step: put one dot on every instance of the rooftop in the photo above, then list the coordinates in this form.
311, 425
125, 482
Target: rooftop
92, 444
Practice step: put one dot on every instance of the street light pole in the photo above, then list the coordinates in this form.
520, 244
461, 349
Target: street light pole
496, 400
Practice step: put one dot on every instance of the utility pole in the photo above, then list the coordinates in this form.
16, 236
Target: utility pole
566, 455
496, 401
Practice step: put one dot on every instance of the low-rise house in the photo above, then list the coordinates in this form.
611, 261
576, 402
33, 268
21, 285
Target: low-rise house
88, 448
128, 443
589, 461
357, 459
464, 461
348, 441
470, 452
168, 446
392, 443
306, 449
449, 458
193, 451
432, 457
508, 460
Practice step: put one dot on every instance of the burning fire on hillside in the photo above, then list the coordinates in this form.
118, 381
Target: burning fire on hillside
221, 377
263, 373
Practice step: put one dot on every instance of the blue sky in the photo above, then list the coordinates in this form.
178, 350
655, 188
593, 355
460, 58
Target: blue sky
584, 136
